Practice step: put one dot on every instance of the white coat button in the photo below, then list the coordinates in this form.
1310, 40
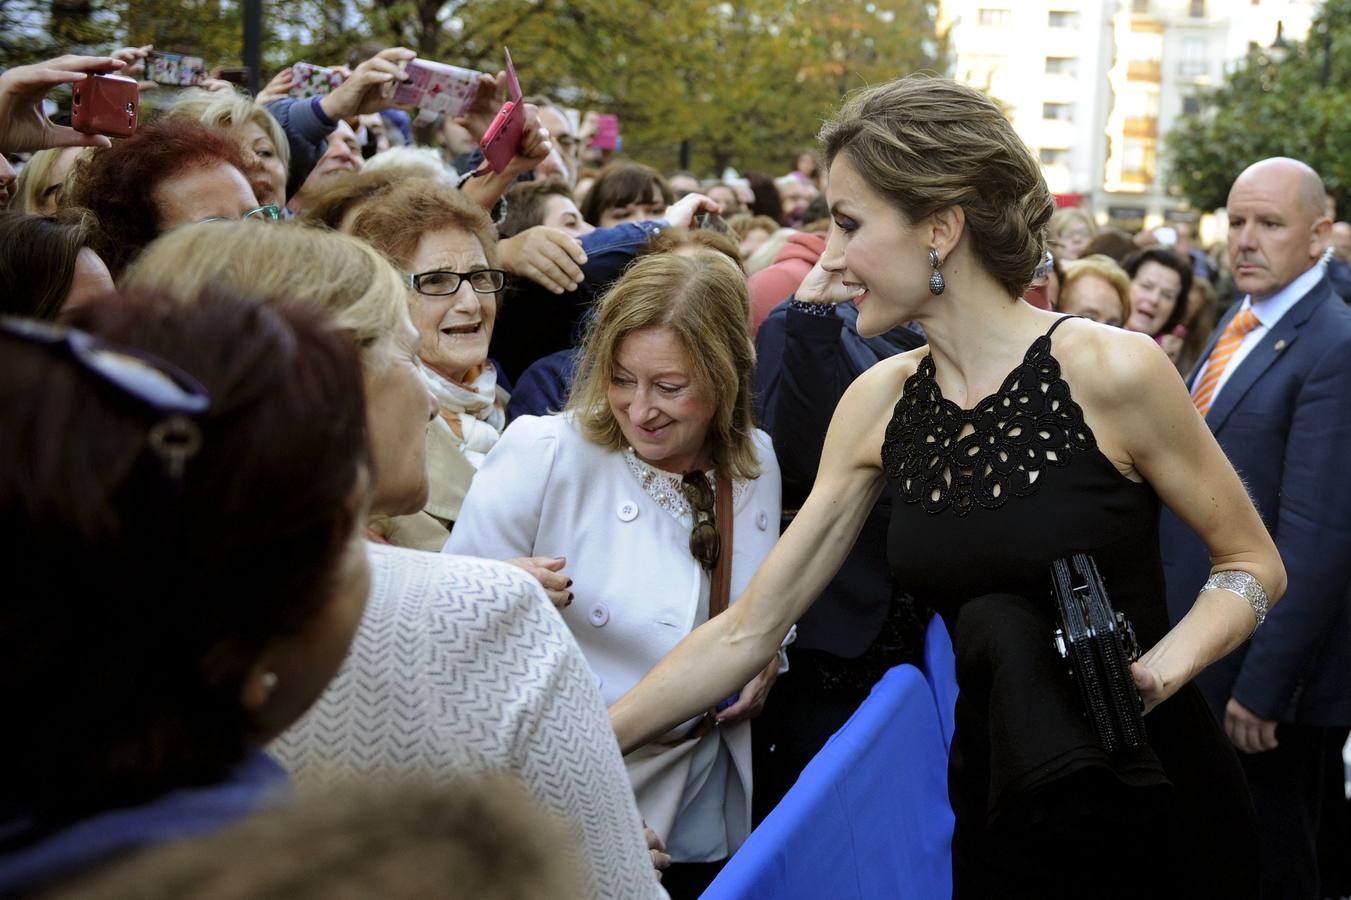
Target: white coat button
628, 511
600, 615
762, 521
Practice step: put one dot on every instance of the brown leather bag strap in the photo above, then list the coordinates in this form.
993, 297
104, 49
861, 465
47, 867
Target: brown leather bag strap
720, 585
720, 588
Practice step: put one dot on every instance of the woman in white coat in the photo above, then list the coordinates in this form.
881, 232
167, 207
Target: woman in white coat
624, 485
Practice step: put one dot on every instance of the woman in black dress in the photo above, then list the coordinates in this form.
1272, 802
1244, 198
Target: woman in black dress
1013, 439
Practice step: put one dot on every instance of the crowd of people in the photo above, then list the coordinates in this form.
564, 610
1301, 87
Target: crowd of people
420, 526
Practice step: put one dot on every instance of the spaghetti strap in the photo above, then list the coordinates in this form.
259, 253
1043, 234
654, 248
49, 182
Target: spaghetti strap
1058, 322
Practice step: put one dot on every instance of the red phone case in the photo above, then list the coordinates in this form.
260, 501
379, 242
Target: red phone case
502, 140
105, 104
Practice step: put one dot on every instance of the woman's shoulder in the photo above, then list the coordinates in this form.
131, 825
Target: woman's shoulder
1107, 366
410, 583
881, 385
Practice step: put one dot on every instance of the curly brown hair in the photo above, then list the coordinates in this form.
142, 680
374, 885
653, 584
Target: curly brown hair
116, 184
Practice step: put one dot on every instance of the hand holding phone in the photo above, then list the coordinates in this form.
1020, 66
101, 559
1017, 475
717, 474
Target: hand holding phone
502, 140
105, 104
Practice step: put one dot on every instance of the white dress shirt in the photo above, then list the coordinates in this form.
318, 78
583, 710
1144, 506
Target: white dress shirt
1268, 313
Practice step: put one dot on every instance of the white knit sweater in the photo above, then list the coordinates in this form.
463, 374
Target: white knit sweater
460, 666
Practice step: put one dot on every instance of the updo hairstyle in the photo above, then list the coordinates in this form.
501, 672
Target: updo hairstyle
928, 143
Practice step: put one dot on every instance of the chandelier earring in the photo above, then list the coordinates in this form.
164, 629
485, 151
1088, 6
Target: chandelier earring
936, 283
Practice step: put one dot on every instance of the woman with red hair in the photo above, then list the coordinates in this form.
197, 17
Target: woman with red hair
170, 173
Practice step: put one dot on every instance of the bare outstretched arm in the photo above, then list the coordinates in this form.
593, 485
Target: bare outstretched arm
724, 653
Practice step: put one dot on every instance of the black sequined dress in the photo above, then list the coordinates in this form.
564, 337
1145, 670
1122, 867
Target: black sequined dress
985, 500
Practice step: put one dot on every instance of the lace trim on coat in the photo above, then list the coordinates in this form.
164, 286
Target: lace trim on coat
664, 487
1029, 424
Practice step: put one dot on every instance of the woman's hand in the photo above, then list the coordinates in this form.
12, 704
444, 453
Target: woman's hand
548, 571
485, 105
1247, 730
23, 124
547, 256
133, 60
822, 286
1150, 685
369, 87
681, 213
753, 696
657, 848
279, 87
534, 148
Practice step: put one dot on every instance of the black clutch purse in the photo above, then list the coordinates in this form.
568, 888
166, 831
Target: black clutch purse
1099, 645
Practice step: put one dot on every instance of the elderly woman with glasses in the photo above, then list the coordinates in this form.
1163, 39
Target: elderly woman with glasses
446, 247
663, 497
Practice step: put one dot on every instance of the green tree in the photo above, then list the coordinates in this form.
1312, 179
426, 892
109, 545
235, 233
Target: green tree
1297, 106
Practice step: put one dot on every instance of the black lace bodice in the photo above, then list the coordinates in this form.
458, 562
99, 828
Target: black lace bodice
1031, 423
987, 498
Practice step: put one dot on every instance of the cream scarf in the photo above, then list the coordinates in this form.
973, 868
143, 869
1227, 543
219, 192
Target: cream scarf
480, 415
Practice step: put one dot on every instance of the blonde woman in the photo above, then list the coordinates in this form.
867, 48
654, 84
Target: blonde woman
1096, 288
266, 153
627, 485
42, 183
436, 683
1069, 233
1016, 437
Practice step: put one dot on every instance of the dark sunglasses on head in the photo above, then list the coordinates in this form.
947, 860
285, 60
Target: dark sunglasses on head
162, 387
705, 542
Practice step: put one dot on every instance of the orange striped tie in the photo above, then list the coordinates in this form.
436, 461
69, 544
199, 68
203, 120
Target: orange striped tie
1203, 394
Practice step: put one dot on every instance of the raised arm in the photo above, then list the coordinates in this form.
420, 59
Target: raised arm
1147, 412
721, 655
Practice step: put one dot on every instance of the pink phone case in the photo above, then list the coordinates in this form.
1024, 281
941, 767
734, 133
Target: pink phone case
503, 138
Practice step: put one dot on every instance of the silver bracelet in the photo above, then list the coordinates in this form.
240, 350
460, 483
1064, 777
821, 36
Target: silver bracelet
1236, 581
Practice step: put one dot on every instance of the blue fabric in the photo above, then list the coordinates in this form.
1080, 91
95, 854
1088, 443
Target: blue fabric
940, 671
543, 388
255, 783
868, 818
307, 129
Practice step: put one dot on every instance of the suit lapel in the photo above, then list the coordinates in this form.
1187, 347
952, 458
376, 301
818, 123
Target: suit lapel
1275, 343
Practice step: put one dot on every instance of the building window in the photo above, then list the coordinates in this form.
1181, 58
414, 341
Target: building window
1197, 9
1191, 106
1060, 65
1054, 156
1193, 57
1137, 159
1059, 18
994, 17
1061, 111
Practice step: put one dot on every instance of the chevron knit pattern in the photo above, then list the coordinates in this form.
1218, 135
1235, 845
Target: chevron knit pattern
1203, 394
462, 666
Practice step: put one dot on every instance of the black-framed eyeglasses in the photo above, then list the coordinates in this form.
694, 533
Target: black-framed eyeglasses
705, 542
156, 383
442, 282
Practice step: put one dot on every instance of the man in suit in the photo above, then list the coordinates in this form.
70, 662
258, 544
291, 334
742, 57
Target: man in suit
1275, 388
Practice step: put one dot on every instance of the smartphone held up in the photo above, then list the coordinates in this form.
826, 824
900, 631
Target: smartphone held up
105, 104
502, 141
